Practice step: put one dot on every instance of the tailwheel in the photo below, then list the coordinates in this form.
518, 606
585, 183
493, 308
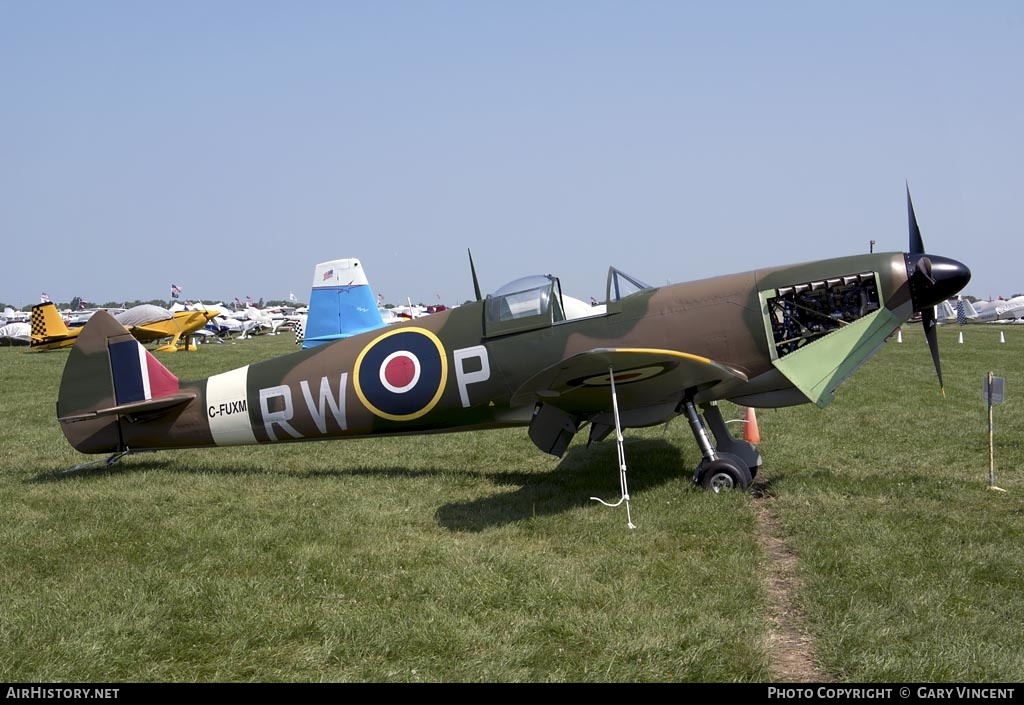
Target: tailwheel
724, 473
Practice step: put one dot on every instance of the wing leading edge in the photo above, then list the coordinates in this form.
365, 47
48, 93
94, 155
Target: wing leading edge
581, 384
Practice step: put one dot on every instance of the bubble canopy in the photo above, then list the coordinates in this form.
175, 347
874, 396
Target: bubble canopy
523, 298
533, 281
537, 301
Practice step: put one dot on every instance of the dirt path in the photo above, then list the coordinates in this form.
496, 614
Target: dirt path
790, 645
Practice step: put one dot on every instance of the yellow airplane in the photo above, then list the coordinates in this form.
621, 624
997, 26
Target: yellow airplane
50, 333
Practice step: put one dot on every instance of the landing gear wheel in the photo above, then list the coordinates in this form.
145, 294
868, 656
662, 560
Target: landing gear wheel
725, 473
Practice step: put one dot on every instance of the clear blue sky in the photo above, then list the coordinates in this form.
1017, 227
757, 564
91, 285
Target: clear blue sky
229, 146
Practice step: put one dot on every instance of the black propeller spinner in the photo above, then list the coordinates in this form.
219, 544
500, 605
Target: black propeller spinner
933, 279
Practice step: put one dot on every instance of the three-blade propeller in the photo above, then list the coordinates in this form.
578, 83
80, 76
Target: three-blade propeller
932, 280
923, 273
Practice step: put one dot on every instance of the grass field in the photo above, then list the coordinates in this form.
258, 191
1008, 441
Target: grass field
476, 557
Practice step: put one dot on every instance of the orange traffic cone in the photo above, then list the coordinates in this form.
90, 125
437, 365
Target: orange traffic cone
751, 433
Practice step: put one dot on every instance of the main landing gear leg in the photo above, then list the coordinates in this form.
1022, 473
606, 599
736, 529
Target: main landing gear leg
726, 442
729, 465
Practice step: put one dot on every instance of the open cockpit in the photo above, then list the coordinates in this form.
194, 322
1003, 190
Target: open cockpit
537, 301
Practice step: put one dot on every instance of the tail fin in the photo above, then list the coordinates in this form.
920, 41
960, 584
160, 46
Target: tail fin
108, 377
965, 311
48, 327
944, 312
341, 303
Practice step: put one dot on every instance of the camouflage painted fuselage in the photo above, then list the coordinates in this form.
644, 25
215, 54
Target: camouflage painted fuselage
456, 371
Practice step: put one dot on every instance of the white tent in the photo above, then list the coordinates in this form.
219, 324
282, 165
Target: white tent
15, 334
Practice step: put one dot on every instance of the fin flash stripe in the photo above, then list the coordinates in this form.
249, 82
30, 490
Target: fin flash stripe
137, 374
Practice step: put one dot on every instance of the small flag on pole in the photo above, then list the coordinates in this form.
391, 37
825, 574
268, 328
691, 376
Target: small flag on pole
44, 298
291, 296
175, 291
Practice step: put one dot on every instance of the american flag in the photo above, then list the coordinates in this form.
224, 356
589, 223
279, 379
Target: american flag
328, 274
44, 298
82, 303
175, 290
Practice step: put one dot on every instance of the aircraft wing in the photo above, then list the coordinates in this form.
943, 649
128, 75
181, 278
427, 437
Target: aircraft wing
581, 384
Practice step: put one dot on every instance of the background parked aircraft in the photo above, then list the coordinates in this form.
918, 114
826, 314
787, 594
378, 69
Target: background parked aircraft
989, 311
146, 322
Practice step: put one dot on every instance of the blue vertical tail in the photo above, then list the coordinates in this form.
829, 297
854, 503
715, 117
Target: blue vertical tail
341, 303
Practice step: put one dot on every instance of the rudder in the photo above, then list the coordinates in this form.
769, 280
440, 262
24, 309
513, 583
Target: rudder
341, 303
47, 324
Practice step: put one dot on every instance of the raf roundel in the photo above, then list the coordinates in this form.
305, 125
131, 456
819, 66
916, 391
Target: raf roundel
401, 375
634, 374
400, 371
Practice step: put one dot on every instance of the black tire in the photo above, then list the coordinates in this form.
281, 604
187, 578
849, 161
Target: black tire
726, 473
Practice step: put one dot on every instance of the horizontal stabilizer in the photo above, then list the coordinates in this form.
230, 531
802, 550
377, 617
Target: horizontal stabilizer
161, 404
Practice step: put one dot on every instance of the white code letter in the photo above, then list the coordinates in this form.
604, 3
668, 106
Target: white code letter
464, 378
280, 417
318, 410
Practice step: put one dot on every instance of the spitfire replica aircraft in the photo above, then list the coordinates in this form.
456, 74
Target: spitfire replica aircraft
145, 322
773, 337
